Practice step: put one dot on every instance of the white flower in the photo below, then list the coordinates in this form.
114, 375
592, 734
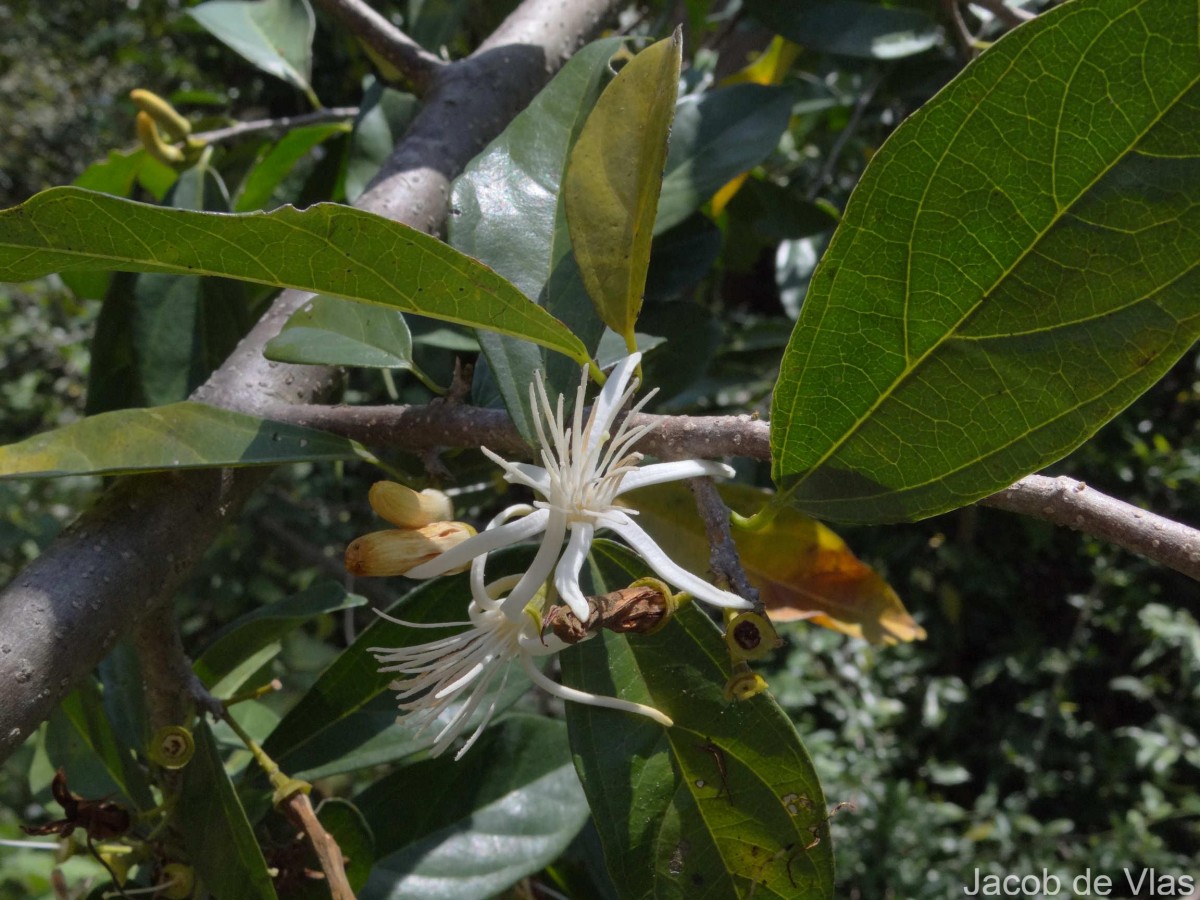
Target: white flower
464, 666
584, 469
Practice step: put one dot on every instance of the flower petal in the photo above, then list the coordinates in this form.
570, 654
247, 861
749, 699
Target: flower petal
658, 473
576, 696
566, 576
531, 476
611, 398
484, 542
539, 570
643, 545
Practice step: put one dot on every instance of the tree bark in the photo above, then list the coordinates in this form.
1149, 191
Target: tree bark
131, 551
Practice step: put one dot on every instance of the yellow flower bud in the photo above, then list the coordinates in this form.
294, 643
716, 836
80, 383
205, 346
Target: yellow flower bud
147, 132
405, 508
395, 552
175, 125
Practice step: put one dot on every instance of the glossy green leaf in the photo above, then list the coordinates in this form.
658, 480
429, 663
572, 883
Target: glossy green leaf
331, 332
274, 35
508, 212
160, 336
850, 27
340, 715
724, 804
178, 436
251, 632
327, 248
115, 174
123, 694
717, 136
277, 163
1018, 263
79, 738
613, 178
220, 842
524, 809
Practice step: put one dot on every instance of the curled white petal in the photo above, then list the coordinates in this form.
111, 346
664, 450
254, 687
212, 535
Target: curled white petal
660, 473
551, 686
566, 575
539, 570
669, 570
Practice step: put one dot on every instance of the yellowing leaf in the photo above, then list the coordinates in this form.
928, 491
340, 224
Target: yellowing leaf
613, 179
802, 569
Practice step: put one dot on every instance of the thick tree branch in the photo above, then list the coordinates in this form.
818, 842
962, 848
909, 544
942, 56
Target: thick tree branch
133, 549
1062, 500
1065, 501
416, 64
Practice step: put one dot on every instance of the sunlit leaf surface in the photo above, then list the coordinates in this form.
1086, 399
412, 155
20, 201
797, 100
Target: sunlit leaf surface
327, 248
1018, 263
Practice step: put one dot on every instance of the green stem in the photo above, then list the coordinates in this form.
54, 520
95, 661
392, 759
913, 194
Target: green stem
284, 785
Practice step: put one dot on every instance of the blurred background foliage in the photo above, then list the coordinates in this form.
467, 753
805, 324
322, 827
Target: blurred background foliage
1051, 718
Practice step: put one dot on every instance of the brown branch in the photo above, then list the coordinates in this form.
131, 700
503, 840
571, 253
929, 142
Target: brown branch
300, 813
723, 554
283, 123
416, 64
173, 690
132, 550
442, 425
1065, 501
421, 428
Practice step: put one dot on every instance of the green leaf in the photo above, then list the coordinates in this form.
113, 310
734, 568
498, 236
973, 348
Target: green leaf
850, 27
115, 174
160, 336
274, 35
251, 632
613, 179
219, 840
507, 210
1018, 263
327, 248
331, 332
84, 708
717, 136
724, 804
178, 436
340, 715
523, 810
260, 184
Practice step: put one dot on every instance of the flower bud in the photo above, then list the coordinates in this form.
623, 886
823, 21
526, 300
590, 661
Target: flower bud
395, 552
405, 508
177, 127
147, 131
